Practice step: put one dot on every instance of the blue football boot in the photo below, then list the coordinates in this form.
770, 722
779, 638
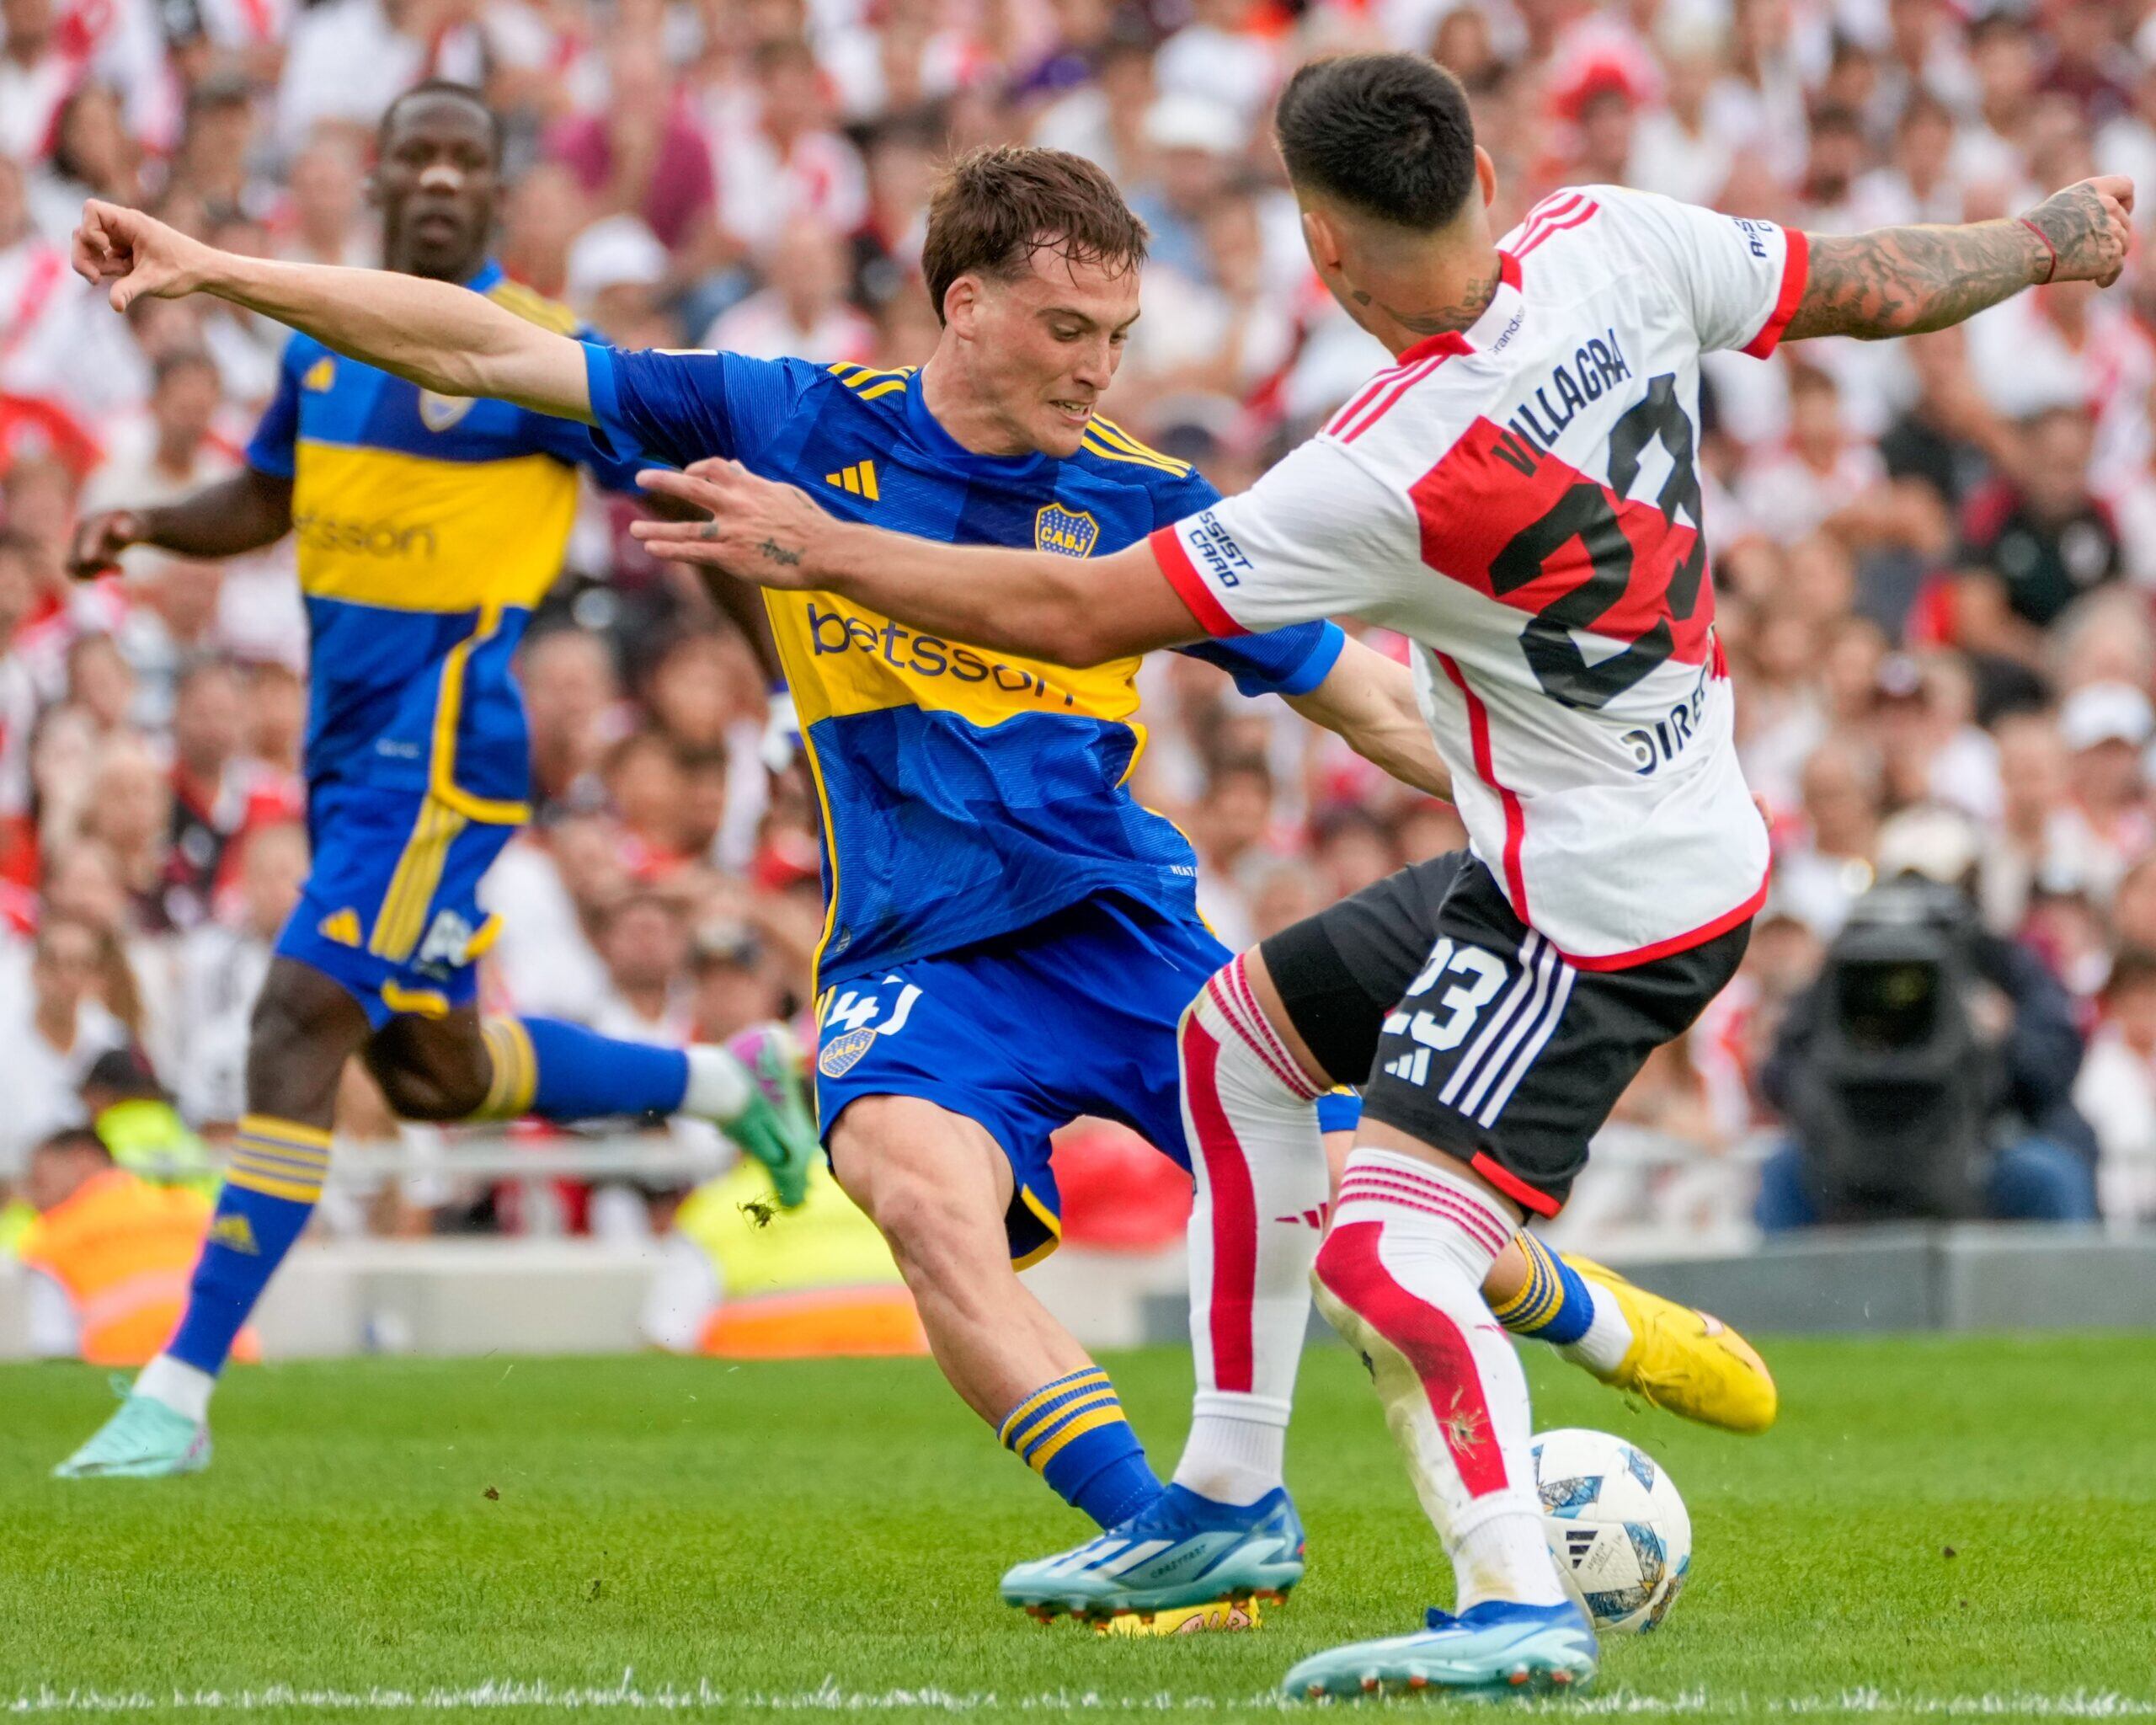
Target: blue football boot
1495, 1648
1184, 1550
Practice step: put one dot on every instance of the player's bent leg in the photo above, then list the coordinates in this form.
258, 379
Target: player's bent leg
939, 1186
1413, 1234
457, 1065
1325, 986
306, 1026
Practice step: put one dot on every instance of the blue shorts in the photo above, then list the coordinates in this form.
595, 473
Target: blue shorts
1026, 1032
390, 907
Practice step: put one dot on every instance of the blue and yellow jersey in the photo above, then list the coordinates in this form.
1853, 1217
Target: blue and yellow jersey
966, 793
427, 527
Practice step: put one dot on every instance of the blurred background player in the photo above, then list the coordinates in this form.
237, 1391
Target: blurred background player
820, 1284
108, 1254
428, 528
1492, 496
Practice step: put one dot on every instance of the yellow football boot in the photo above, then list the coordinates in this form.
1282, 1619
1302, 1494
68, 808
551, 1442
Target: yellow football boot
1684, 1361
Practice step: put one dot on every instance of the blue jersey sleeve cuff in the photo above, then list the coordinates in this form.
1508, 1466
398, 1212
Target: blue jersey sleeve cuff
279, 464
1316, 669
607, 433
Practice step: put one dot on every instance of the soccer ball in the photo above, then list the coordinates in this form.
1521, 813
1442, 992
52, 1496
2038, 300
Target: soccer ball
1619, 1532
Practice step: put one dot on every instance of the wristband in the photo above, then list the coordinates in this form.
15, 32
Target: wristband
2048, 247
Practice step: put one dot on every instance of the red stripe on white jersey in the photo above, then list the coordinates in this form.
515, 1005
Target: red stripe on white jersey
1676, 943
1577, 218
1446, 344
1797, 269
1478, 736
1190, 586
1558, 203
1360, 399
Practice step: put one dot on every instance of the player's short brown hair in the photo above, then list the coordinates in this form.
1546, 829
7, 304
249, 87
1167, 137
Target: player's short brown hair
994, 208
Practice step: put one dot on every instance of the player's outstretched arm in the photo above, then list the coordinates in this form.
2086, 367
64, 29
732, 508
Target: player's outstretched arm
1066, 610
1905, 280
244, 513
438, 335
1368, 701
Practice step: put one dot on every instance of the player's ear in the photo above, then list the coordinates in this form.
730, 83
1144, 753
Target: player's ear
1486, 172
962, 303
1322, 240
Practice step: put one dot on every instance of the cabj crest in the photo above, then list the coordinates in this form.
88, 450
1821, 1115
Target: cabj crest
1074, 533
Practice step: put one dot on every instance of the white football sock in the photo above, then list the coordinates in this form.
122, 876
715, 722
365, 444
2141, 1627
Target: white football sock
1607, 1339
184, 1388
719, 1086
1400, 1278
1257, 1158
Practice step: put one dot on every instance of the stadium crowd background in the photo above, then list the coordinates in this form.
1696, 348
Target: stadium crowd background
1935, 559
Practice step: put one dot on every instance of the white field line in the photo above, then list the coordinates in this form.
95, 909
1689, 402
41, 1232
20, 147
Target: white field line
830, 1697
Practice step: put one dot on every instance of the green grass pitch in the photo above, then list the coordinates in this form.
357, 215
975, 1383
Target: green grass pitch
1938, 1527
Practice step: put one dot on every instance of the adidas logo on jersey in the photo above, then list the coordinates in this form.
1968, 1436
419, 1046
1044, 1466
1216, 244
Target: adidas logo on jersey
859, 480
1413, 1069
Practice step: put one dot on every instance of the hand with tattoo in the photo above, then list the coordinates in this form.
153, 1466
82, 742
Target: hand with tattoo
2088, 226
758, 531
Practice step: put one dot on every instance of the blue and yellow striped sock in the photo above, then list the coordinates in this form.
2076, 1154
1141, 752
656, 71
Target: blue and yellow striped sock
1554, 1305
270, 1188
562, 1072
1072, 1432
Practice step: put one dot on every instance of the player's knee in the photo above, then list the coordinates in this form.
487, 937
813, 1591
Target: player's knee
428, 1089
432, 1068
417, 1095
938, 1227
303, 1027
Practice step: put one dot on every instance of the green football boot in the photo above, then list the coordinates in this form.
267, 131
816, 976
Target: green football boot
144, 1439
777, 1128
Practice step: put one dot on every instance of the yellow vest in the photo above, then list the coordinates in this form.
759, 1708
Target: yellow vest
815, 1280
123, 1249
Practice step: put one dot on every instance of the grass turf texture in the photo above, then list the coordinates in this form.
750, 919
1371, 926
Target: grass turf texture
1934, 1521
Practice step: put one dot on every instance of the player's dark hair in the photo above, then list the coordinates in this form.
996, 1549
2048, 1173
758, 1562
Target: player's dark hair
1388, 135
450, 89
995, 207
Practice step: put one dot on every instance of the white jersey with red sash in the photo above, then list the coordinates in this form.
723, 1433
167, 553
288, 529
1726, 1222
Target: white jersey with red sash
1522, 499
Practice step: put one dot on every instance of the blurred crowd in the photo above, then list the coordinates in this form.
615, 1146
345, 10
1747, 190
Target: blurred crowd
1935, 559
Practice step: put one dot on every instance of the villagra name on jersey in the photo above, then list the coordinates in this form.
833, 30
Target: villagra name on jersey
1597, 367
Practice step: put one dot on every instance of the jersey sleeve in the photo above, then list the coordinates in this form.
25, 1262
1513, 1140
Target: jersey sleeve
1738, 279
680, 408
274, 447
612, 463
1318, 537
1290, 661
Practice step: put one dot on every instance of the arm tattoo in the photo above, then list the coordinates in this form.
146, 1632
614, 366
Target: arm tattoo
1905, 280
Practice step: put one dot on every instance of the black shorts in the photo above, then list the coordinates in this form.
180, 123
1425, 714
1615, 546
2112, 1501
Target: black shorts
1467, 1030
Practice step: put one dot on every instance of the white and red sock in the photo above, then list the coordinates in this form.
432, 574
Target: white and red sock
1249, 1117
1400, 1278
